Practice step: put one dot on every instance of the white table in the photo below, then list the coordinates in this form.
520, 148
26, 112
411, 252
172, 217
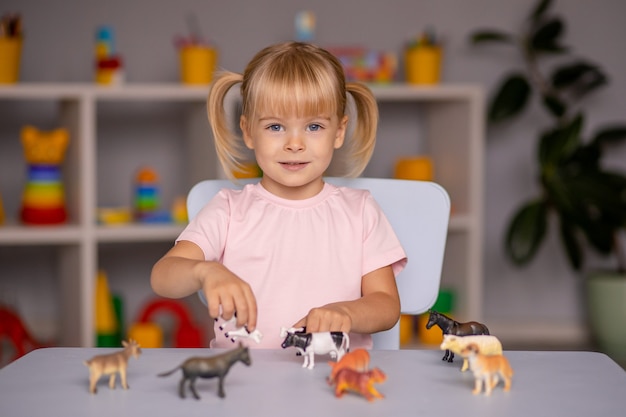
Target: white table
54, 382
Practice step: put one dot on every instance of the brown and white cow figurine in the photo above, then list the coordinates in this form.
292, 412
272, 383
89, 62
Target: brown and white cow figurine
335, 344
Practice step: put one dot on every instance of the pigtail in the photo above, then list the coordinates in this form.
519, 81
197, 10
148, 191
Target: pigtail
363, 139
228, 145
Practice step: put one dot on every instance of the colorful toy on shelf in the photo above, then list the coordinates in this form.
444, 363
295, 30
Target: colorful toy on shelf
359, 382
357, 360
487, 369
147, 200
186, 334
106, 324
335, 344
179, 211
305, 26
209, 367
449, 326
112, 364
109, 68
43, 200
13, 328
488, 345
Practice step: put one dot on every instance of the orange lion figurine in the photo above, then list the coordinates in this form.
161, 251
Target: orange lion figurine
357, 360
360, 382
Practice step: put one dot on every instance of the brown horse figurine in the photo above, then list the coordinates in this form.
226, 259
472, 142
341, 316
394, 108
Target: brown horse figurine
450, 326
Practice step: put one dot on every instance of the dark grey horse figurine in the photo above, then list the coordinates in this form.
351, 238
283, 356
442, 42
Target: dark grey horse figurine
213, 366
450, 326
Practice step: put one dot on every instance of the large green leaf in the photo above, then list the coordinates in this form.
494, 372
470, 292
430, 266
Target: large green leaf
579, 77
571, 244
546, 37
491, 35
540, 10
526, 232
560, 143
610, 135
554, 105
510, 99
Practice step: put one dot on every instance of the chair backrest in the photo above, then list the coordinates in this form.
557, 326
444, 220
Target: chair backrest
418, 211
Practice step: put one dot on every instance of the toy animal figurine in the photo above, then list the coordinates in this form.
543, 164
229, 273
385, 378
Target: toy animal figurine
241, 332
43, 199
357, 360
211, 367
487, 369
360, 382
335, 344
488, 345
450, 326
112, 364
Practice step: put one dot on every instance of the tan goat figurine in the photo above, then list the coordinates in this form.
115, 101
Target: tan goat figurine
488, 345
111, 364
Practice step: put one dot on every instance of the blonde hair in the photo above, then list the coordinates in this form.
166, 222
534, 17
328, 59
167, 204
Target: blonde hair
289, 77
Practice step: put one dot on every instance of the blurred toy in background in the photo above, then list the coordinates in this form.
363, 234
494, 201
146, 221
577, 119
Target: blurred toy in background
186, 334
197, 56
209, 367
488, 345
487, 369
107, 315
13, 328
147, 199
359, 382
305, 26
43, 200
365, 65
423, 59
450, 326
1, 211
109, 66
179, 210
112, 364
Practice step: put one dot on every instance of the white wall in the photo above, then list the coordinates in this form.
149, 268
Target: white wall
59, 47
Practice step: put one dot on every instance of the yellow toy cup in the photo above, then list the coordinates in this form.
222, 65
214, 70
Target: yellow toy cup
10, 53
414, 168
423, 64
197, 64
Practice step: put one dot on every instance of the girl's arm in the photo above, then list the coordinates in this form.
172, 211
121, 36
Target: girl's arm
378, 308
182, 271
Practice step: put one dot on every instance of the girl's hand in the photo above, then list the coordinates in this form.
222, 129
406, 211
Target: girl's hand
329, 318
224, 289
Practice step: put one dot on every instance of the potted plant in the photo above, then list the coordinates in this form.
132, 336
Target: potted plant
585, 199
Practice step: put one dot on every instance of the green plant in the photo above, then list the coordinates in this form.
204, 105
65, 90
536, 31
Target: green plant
587, 200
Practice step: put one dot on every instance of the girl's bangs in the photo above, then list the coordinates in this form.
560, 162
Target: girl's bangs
296, 97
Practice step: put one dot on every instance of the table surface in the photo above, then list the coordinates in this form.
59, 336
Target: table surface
54, 382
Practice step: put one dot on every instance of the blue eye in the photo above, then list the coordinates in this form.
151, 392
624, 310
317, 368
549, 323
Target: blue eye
314, 127
274, 128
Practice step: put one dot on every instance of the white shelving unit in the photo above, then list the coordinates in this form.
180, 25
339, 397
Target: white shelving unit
449, 120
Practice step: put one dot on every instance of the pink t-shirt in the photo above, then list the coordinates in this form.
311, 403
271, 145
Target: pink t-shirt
296, 254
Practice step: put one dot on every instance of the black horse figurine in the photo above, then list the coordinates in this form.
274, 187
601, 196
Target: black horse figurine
450, 326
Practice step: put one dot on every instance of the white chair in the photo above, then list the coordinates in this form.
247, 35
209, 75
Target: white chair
418, 211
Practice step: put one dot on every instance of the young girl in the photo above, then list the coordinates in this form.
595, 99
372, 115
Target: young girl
291, 250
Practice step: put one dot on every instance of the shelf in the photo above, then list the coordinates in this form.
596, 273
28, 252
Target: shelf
139, 233
39, 235
120, 126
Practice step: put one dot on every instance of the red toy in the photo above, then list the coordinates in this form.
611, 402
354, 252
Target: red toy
12, 327
186, 335
360, 382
